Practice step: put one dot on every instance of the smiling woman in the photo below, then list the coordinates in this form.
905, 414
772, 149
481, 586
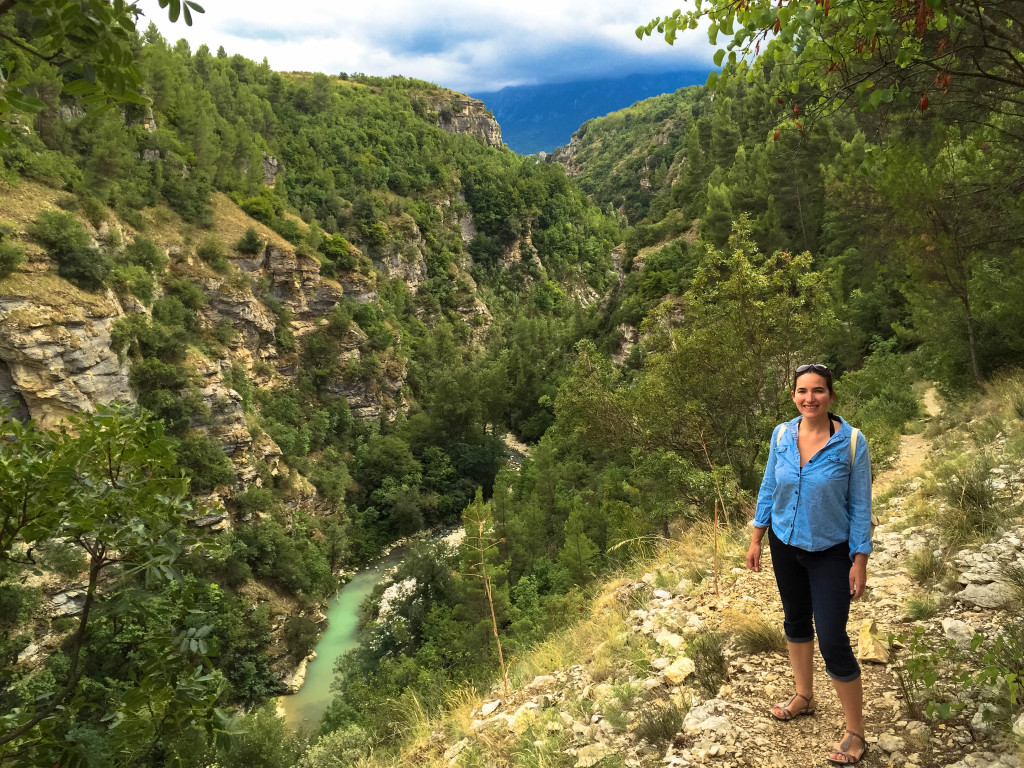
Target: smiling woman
815, 504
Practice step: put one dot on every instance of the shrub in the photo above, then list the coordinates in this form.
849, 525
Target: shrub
205, 459
239, 380
174, 410
188, 196
300, 635
141, 338
262, 207
255, 499
211, 250
93, 209
143, 252
250, 243
288, 229
11, 255
224, 331
172, 313
190, 294
66, 239
132, 280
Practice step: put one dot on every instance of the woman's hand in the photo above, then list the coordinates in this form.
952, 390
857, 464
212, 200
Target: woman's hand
858, 576
754, 556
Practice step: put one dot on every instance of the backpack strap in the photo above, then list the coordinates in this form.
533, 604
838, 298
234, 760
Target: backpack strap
782, 431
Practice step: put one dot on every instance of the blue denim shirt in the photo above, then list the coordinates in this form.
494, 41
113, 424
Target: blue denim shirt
823, 503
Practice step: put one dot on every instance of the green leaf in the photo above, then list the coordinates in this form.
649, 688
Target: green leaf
719, 55
79, 87
712, 79
22, 103
713, 36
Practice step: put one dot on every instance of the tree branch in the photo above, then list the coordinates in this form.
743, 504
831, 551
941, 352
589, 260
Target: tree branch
74, 673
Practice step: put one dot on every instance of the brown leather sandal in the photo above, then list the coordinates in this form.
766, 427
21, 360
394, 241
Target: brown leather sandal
788, 714
844, 745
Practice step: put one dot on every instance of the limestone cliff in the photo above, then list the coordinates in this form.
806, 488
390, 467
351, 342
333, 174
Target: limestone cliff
55, 355
462, 114
55, 339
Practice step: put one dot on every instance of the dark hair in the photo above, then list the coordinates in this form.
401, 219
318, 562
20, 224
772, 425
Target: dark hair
818, 368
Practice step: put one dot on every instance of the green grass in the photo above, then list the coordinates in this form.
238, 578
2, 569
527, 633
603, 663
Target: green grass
707, 651
921, 607
659, 724
925, 566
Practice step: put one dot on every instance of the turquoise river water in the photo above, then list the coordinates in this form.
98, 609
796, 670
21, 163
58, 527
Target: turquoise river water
304, 709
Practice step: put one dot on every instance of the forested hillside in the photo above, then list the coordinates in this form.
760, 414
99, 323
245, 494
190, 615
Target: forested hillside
258, 326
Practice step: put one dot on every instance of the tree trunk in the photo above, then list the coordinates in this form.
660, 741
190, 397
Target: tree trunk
970, 341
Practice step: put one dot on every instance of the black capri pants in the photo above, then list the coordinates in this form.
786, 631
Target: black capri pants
816, 585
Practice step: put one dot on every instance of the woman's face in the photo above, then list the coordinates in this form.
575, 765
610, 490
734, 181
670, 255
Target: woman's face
811, 395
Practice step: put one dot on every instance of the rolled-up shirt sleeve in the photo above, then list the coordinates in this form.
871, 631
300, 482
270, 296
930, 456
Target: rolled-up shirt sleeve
859, 504
766, 496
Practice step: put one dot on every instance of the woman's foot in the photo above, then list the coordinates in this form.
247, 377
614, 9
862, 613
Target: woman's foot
850, 750
798, 704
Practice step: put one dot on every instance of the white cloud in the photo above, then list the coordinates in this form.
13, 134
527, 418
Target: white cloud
468, 46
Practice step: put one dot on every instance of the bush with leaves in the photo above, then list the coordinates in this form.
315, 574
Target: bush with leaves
108, 485
211, 250
67, 240
206, 462
251, 243
11, 253
145, 253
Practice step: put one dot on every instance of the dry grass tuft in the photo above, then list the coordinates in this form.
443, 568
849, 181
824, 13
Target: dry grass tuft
754, 633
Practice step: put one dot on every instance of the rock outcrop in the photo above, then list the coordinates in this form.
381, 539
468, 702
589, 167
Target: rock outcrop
55, 355
462, 114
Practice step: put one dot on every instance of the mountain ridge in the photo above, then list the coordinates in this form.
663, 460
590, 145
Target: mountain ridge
541, 118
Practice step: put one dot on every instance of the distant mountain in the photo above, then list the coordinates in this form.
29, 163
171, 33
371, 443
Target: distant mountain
537, 118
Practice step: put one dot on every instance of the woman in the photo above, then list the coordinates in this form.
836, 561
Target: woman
815, 503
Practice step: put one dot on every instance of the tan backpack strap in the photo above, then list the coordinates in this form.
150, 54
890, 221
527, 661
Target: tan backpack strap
853, 445
782, 431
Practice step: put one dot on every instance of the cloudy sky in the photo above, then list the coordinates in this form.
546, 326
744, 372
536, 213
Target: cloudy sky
468, 45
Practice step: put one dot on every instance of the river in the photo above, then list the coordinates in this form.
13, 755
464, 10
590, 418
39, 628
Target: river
305, 708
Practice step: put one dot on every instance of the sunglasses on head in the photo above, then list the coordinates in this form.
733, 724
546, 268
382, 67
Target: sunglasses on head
816, 367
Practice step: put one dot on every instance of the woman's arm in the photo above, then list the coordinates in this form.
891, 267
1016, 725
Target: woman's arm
754, 551
763, 513
859, 501
858, 575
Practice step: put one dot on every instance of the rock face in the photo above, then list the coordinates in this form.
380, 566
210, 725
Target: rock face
465, 115
404, 259
55, 355
567, 156
271, 167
